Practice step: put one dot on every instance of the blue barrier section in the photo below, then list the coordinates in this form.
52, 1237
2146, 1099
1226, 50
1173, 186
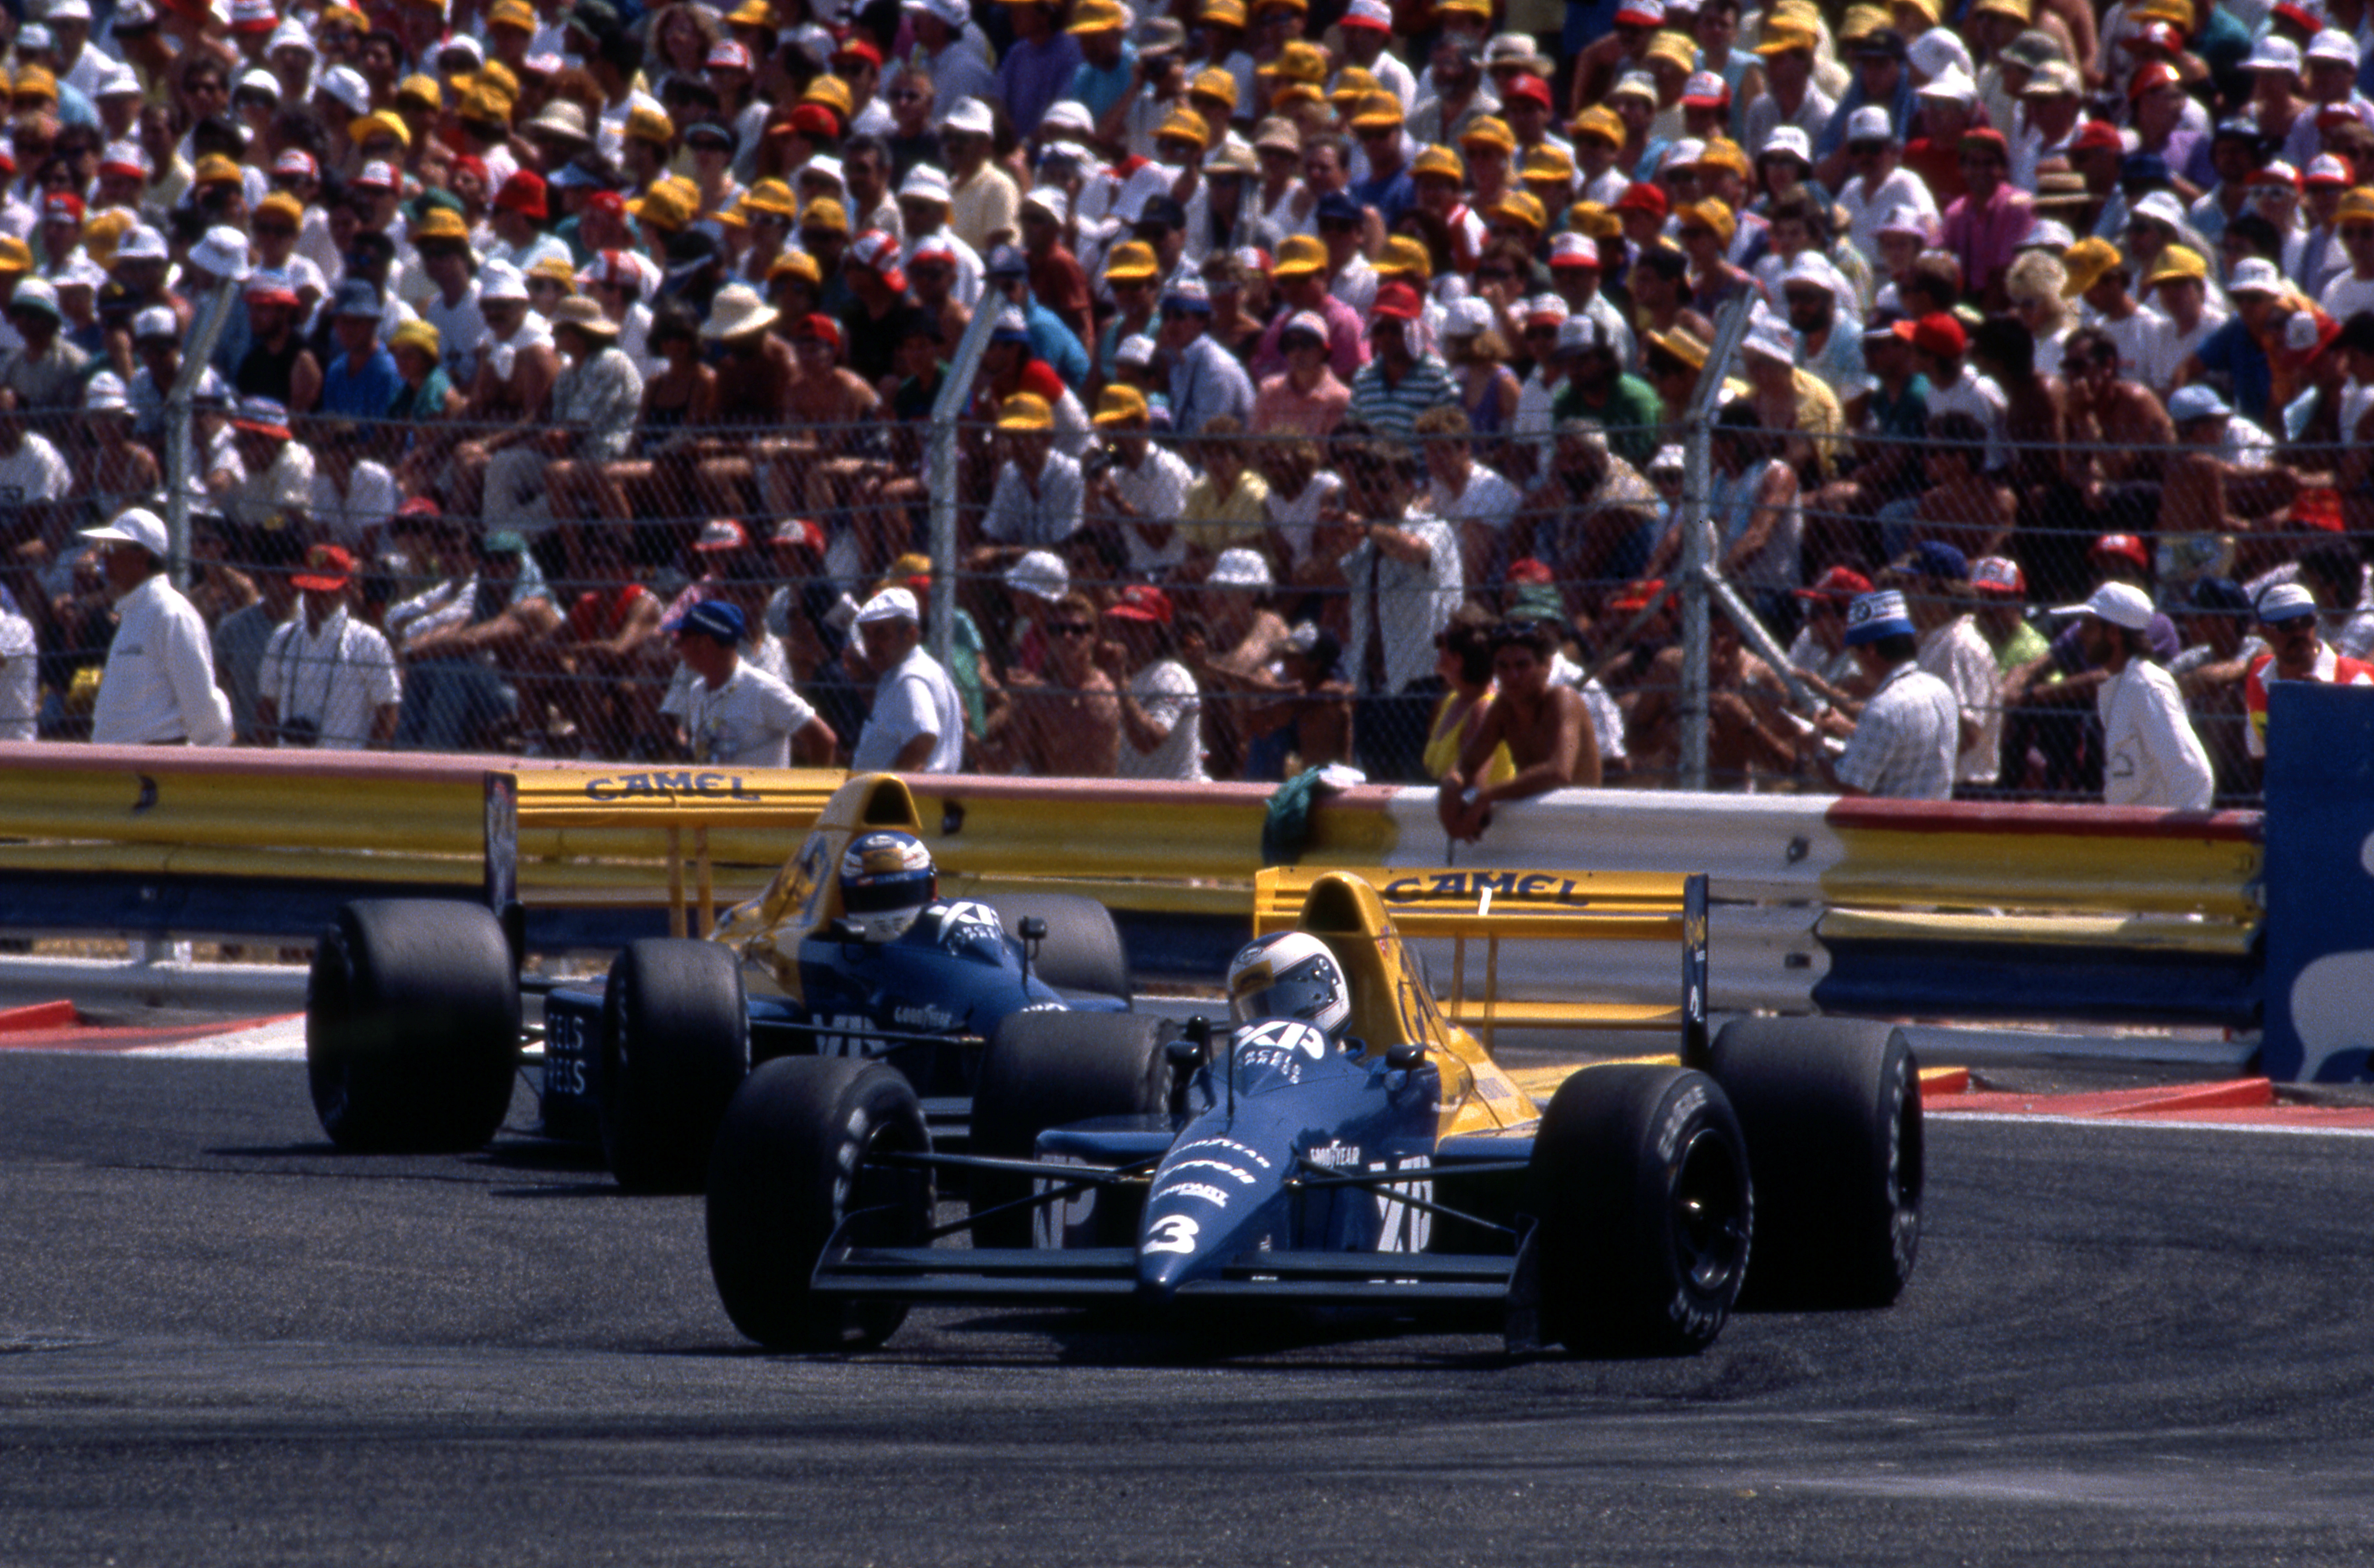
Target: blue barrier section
1976, 980
2319, 883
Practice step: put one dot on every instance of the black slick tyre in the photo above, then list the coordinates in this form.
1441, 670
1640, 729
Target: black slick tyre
1832, 1108
676, 1044
1046, 1070
412, 1026
795, 1157
1639, 1191
1082, 950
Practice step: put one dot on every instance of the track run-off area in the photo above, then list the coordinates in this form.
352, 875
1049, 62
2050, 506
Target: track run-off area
2139, 1331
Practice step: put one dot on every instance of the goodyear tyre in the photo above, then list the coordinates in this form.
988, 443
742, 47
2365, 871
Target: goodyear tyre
1640, 1195
1046, 1070
795, 1156
676, 1044
412, 1026
1832, 1112
1082, 949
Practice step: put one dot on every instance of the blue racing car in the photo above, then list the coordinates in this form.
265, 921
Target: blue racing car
414, 1037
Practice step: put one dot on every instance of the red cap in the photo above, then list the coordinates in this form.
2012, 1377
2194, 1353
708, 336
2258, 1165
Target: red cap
2126, 547
1987, 137
606, 201
2299, 17
329, 569
858, 47
2318, 508
1838, 585
721, 533
1529, 570
799, 533
820, 329
1643, 197
1527, 86
2096, 135
522, 193
1637, 595
1998, 574
1140, 601
2152, 78
1936, 333
813, 120
1397, 302
61, 205
420, 506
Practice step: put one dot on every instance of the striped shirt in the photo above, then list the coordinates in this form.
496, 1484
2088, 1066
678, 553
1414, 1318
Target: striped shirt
1904, 744
1393, 409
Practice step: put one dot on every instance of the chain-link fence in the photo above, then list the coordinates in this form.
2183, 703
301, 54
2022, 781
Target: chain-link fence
1126, 602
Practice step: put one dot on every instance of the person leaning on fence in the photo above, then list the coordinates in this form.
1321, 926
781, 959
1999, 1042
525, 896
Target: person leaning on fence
917, 725
329, 680
159, 688
1544, 727
1904, 744
2296, 651
2150, 754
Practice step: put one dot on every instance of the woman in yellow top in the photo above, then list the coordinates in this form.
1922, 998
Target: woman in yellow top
1463, 658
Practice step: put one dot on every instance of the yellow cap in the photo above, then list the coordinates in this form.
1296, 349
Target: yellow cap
16, 256
1185, 126
1675, 49
1862, 21
1130, 261
363, 127
1781, 38
512, 13
1098, 16
1377, 109
1521, 207
1438, 162
1488, 131
1297, 61
1594, 220
2183, 261
419, 334
645, 123
1463, 8
1404, 256
751, 14
826, 214
1213, 82
1714, 215
1227, 13
36, 81
2021, 11
770, 195
833, 93
1927, 8
1352, 83
1683, 346
795, 264
1299, 253
1293, 93
2358, 203
216, 170
423, 89
666, 204
1118, 405
280, 204
2087, 263
487, 102
1546, 162
104, 232
1725, 153
1601, 122
1025, 411
441, 223
558, 269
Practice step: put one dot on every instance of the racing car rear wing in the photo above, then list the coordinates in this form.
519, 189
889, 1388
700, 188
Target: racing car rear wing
1494, 906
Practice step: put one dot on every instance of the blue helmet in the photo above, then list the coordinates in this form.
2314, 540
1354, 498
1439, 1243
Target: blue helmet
886, 880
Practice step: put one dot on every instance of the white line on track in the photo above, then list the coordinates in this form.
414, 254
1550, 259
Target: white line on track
275, 1039
2286, 1129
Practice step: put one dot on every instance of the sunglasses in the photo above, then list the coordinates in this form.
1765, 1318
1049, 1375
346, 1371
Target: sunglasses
906, 95
1070, 629
273, 230
1494, 275
2358, 230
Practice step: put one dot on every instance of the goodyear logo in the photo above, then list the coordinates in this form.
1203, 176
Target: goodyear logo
666, 786
1525, 887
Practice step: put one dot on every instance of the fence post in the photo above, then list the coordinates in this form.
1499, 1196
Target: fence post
178, 400
1698, 425
940, 470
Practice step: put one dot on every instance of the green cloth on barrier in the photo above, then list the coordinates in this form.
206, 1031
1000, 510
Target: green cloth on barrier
1286, 827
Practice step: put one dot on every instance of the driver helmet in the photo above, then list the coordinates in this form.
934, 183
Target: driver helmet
886, 880
1290, 975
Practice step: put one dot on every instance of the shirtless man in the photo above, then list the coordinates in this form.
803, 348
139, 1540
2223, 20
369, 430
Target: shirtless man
1743, 700
2208, 494
1066, 721
2125, 425
1545, 727
1963, 507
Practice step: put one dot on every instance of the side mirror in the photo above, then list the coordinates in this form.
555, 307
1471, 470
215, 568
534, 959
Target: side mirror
1405, 1056
1033, 928
844, 930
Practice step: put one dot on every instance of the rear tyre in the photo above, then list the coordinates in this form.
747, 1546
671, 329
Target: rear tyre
1832, 1112
1083, 950
676, 1044
412, 1026
1048, 1069
794, 1159
1640, 1191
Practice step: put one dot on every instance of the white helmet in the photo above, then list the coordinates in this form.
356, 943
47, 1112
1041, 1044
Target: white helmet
886, 880
1290, 975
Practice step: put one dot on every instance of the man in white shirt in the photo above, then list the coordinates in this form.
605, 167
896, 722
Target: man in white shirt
1161, 729
1141, 491
917, 725
20, 659
1473, 500
159, 688
328, 680
1937, 576
1904, 744
2150, 754
1037, 502
1881, 184
737, 715
1405, 584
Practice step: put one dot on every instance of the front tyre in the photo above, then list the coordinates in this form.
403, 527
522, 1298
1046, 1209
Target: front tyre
1051, 1068
676, 1044
795, 1156
1639, 1191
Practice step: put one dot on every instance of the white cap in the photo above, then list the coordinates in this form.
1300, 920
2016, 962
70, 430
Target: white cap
1937, 50
1374, 12
1309, 322
2196, 401
1468, 317
890, 604
135, 525
142, 243
1905, 220
2121, 604
1041, 574
2160, 206
2334, 45
103, 394
501, 280
2255, 276
291, 34
1068, 114
1683, 153
925, 180
255, 78
1791, 140
1869, 124
67, 11
347, 85
2272, 53
118, 80
157, 320
1241, 569
223, 252
1771, 337
1136, 351
2300, 334
1574, 249
970, 114
1049, 200
955, 13
1952, 83
1669, 460
1545, 307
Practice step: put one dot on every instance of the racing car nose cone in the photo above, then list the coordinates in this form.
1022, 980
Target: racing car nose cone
1159, 1275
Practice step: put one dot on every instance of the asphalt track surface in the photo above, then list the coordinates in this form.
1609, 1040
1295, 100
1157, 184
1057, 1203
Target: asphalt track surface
224, 1343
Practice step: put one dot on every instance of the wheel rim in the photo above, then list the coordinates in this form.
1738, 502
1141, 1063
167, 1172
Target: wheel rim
1710, 1211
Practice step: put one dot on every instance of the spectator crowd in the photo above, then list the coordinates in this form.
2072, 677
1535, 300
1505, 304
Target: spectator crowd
559, 377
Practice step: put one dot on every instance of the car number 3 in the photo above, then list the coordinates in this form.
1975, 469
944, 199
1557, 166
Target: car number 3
1172, 1232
